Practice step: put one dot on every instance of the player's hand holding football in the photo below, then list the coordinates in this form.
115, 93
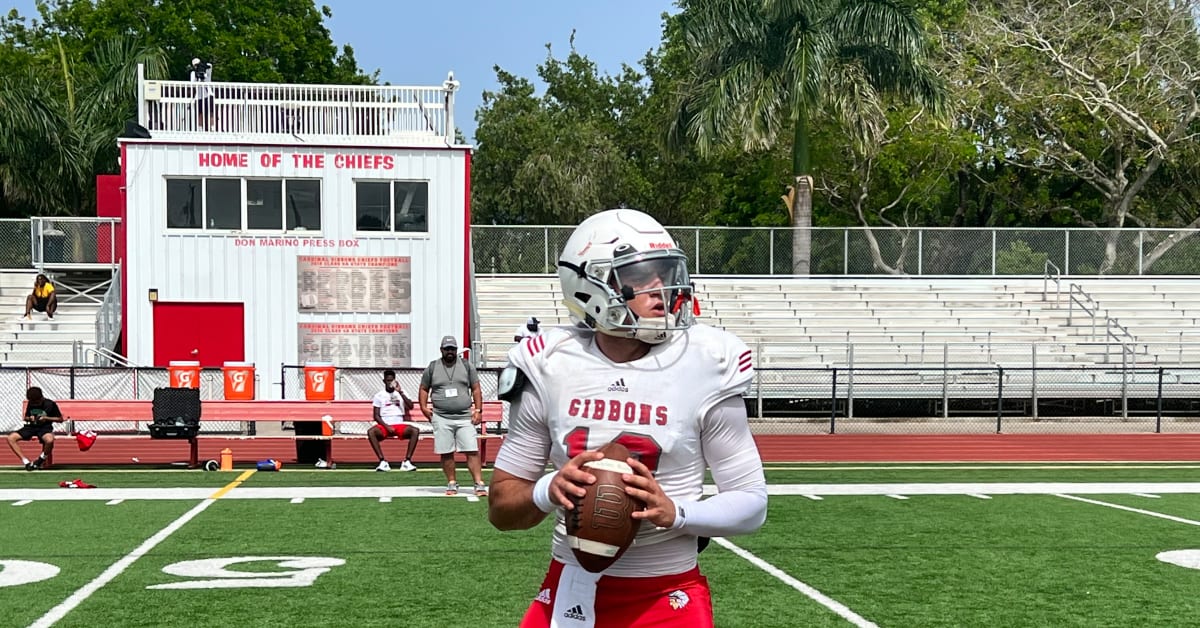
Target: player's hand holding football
660, 509
571, 478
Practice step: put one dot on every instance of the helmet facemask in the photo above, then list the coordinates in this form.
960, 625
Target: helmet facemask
657, 280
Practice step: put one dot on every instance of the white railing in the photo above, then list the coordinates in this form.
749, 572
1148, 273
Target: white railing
359, 114
108, 317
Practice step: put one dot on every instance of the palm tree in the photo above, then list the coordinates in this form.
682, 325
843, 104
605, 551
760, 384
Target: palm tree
61, 123
762, 67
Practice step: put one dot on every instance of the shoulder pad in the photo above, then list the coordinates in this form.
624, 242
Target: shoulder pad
510, 383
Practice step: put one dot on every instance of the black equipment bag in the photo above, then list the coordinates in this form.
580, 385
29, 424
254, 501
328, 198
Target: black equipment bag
176, 413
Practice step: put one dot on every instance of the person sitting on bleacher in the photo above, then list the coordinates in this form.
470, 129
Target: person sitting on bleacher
530, 329
42, 298
40, 416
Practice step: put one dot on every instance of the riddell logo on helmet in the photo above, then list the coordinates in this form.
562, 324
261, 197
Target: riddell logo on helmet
661, 245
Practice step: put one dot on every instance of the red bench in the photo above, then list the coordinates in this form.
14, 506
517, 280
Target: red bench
138, 411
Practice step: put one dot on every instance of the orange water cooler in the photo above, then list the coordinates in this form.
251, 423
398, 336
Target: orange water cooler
184, 374
319, 381
239, 380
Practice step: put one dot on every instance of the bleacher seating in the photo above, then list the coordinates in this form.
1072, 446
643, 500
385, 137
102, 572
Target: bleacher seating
887, 321
41, 342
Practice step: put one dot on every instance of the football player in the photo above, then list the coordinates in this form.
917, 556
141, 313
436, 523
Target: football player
638, 370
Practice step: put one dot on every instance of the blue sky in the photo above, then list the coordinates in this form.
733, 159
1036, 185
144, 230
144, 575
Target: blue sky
417, 43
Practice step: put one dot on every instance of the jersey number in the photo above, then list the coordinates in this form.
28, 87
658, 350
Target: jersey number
643, 447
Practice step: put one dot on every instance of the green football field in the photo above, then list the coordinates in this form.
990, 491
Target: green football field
884, 545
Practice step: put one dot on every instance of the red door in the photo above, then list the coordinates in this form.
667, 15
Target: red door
212, 333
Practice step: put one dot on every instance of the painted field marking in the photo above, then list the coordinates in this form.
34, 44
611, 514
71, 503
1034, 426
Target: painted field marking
385, 500
815, 497
1147, 495
897, 496
66, 606
297, 500
1149, 513
979, 496
113, 502
824, 600
83, 593
23, 502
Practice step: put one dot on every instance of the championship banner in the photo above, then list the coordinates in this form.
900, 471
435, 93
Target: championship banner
348, 345
354, 284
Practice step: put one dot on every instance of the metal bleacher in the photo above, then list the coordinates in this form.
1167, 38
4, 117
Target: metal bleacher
888, 321
41, 341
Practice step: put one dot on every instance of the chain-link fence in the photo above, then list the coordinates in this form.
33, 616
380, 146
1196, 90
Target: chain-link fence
847, 250
363, 383
70, 242
83, 382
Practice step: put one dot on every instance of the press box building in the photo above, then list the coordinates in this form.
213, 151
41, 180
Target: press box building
284, 224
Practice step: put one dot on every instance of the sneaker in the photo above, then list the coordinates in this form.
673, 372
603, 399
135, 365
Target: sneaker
321, 464
37, 464
383, 466
29, 466
481, 490
407, 466
452, 488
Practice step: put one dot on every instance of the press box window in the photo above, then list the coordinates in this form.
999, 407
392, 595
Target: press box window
259, 204
396, 206
294, 204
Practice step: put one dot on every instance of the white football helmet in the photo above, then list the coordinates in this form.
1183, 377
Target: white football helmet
615, 256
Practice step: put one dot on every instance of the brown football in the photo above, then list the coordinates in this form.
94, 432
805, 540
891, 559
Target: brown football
600, 528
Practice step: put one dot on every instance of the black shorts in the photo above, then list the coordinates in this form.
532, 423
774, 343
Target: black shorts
29, 430
41, 304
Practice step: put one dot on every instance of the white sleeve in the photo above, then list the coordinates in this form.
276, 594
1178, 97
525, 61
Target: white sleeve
376, 401
740, 506
526, 448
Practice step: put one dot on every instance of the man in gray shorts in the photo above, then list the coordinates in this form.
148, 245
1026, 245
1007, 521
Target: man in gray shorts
452, 386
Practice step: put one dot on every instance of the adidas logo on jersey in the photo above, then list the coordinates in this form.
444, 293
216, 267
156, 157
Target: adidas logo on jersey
576, 613
618, 386
543, 596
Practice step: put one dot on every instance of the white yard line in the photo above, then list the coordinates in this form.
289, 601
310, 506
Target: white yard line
824, 600
113, 502
297, 500
809, 491
1149, 513
897, 496
23, 502
114, 570
1147, 495
979, 496
385, 500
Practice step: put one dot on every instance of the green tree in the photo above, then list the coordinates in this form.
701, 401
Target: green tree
1100, 95
766, 67
61, 124
265, 41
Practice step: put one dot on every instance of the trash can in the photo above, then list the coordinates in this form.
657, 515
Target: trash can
311, 442
54, 246
184, 374
239, 380
319, 381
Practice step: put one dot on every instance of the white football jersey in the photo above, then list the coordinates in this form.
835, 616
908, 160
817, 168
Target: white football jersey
577, 399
